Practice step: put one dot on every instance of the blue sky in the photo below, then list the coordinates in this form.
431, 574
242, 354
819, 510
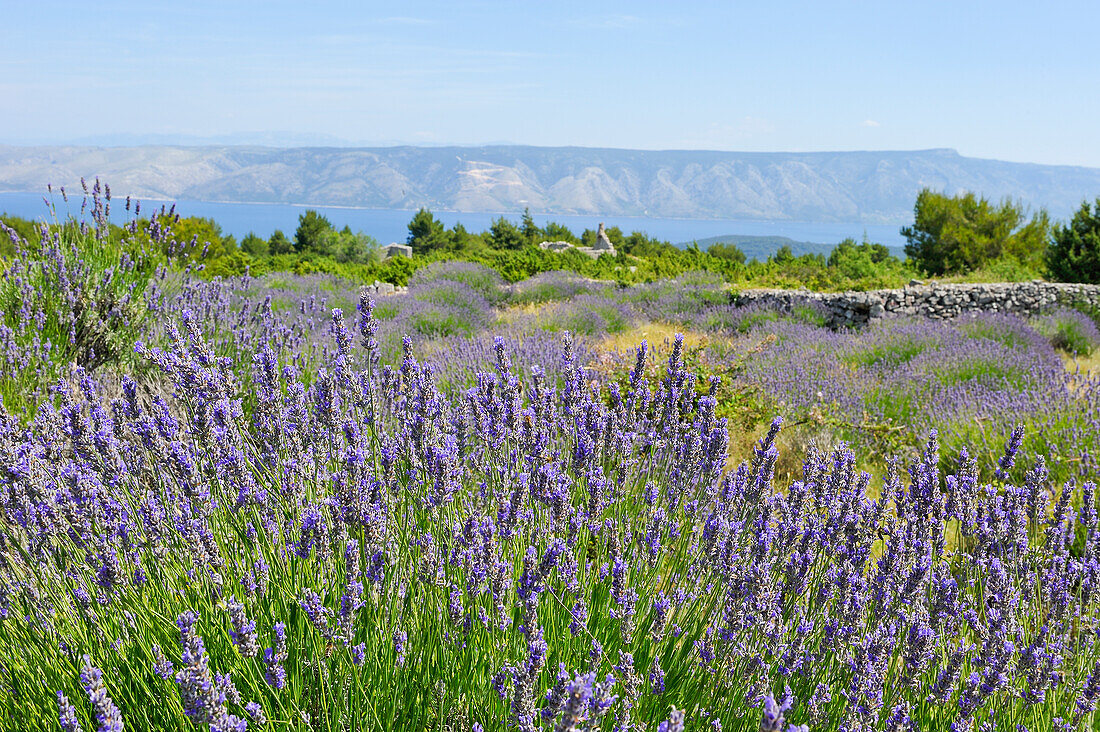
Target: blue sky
1010, 80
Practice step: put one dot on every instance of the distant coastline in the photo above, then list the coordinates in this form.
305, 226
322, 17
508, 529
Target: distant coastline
388, 225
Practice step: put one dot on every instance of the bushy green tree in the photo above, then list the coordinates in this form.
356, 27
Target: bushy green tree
640, 244
553, 231
229, 265
313, 229
253, 245
867, 250
279, 244
460, 240
783, 255
862, 261
1073, 254
726, 251
531, 231
959, 234
503, 234
426, 233
348, 246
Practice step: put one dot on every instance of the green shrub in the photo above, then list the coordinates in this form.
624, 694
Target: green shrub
959, 234
1074, 251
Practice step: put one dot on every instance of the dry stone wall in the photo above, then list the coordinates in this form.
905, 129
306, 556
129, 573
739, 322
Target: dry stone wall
936, 301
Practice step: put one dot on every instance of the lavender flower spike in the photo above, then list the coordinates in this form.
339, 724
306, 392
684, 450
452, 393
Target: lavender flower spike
106, 713
1011, 448
66, 714
675, 722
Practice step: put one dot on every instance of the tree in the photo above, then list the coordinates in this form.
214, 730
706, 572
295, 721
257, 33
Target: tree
312, 228
1073, 254
958, 234
783, 255
727, 251
426, 233
503, 234
861, 260
460, 240
640, 244
279, 244
553, 231
346, 246
253, 245
531, 232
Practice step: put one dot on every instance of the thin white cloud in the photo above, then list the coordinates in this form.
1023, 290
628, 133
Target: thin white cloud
869, 123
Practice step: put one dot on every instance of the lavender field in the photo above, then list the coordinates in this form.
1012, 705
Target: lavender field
278, 503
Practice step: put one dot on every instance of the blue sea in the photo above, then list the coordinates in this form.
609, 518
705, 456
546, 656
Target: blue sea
389, 225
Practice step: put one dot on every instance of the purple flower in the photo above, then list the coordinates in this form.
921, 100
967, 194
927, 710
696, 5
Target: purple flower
275, 657
675, 722
203, 695
316, 610
400, 637
107, 714
256, 713
162, 667
1011, 448
244, 630
66, 714
657, 677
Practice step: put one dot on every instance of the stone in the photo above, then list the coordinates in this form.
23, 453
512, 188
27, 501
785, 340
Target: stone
937, 302
396, 250
555, 246
603, 243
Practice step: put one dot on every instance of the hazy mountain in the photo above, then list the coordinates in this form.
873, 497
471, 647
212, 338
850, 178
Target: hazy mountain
873, 187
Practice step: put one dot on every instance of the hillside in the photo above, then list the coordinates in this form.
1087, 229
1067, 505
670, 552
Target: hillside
873, 187
761, 247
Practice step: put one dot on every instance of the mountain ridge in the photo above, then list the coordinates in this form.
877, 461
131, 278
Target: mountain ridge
866, 186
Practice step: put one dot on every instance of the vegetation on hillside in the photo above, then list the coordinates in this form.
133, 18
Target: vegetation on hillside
957, 238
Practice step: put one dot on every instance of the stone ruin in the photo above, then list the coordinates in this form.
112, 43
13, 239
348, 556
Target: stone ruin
603, 245
394, 249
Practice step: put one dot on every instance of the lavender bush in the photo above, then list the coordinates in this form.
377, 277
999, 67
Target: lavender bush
365, 551
486, 282
588, 315
1069, 330
77, 295
550, 286
972, 379
729, 319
